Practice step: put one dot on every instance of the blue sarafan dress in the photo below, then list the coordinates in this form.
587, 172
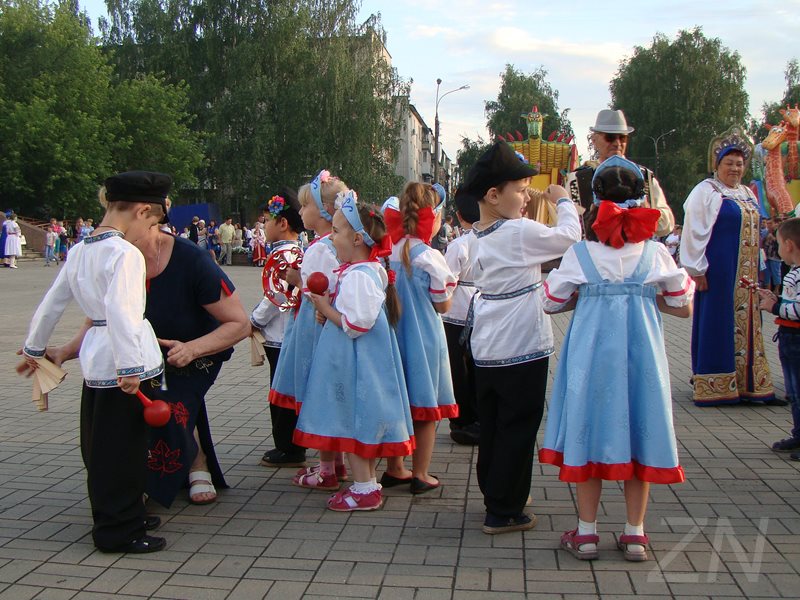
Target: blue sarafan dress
420, 332
302, 333
356, 397
610, 415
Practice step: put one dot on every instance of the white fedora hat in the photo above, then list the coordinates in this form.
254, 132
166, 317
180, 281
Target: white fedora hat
611, 121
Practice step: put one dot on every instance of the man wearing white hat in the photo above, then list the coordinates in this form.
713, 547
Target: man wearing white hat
609, 137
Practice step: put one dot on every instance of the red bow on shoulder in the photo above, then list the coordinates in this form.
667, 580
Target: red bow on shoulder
384, 248
639, 224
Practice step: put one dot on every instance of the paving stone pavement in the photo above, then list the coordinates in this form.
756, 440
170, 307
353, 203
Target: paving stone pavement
727, 532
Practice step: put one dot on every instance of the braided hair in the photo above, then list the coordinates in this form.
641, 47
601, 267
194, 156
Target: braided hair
415, 196
375, 226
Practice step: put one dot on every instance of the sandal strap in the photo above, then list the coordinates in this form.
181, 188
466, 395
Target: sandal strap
199, 476
201, 488
642, 540
579, 540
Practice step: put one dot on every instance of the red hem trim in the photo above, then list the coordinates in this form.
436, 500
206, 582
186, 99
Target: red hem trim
355, 327
681, 292
611, 472
550, 296
437, 413
282, 400
225, 288
335, 444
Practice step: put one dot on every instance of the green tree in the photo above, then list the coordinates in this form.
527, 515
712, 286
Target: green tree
280, 88
468, 155
770, 111
54, 89
519, 92
149, 129
65, 121
692, 84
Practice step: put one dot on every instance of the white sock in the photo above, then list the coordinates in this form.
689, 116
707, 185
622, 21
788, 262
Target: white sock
635, 530
585, 528
364, 487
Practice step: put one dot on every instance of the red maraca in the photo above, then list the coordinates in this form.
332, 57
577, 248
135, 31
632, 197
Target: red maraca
317, 283
156, 412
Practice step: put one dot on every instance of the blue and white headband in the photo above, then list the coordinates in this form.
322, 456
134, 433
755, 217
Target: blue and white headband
620, 161
316, 193
440, 191
350, 211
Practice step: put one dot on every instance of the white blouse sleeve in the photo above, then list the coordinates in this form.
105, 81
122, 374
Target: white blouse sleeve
456, 258
700, 213
360, 301
319, 258
264, 313
676, 285
124, 306
443, 282
562, 282
48, 314
540, 243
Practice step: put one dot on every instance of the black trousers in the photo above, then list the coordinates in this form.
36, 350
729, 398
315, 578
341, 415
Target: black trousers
114, 450
510, 406
284, 420
462, 371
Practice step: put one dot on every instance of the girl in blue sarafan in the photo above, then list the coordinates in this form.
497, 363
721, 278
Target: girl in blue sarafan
610, 416
356, 400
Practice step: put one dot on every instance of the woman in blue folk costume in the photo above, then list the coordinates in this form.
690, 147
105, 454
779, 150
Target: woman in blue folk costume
610, 415
425, 285
317, 200
356, 399
720, 250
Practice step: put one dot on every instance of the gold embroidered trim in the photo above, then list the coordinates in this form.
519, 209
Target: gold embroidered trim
715, 387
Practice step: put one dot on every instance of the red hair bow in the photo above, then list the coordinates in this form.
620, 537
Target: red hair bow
639, 224
425, 220
381, 249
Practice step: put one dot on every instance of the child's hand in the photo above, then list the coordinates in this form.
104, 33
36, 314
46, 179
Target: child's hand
321, 302
553, 193
320, 317
292, 277
766, 300
130, 384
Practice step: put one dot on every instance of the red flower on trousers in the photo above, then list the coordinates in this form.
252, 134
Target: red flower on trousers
162, 459
180, 413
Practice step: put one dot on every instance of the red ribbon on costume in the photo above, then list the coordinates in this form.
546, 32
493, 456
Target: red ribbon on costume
384, 248
425, 220
638, 224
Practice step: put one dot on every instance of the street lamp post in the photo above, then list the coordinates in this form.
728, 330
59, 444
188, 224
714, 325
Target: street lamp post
655, 144
436, 127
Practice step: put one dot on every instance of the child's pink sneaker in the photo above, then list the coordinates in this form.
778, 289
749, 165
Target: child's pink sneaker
312, 479
347, 501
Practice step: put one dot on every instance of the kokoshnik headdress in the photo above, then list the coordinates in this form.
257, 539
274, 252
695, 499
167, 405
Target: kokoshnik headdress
732, 139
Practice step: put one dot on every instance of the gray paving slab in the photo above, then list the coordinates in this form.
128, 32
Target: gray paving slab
728, 532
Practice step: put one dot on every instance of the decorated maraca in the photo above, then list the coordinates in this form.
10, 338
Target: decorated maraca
156, 412
317, 283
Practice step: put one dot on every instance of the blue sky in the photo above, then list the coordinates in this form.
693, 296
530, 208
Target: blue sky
580, 43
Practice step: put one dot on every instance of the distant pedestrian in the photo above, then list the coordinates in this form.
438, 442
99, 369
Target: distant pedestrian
50, 246
13, 247
226, 234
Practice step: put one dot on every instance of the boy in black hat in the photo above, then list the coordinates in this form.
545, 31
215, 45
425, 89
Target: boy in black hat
106, 274
465, 428
282, 227
511, 338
